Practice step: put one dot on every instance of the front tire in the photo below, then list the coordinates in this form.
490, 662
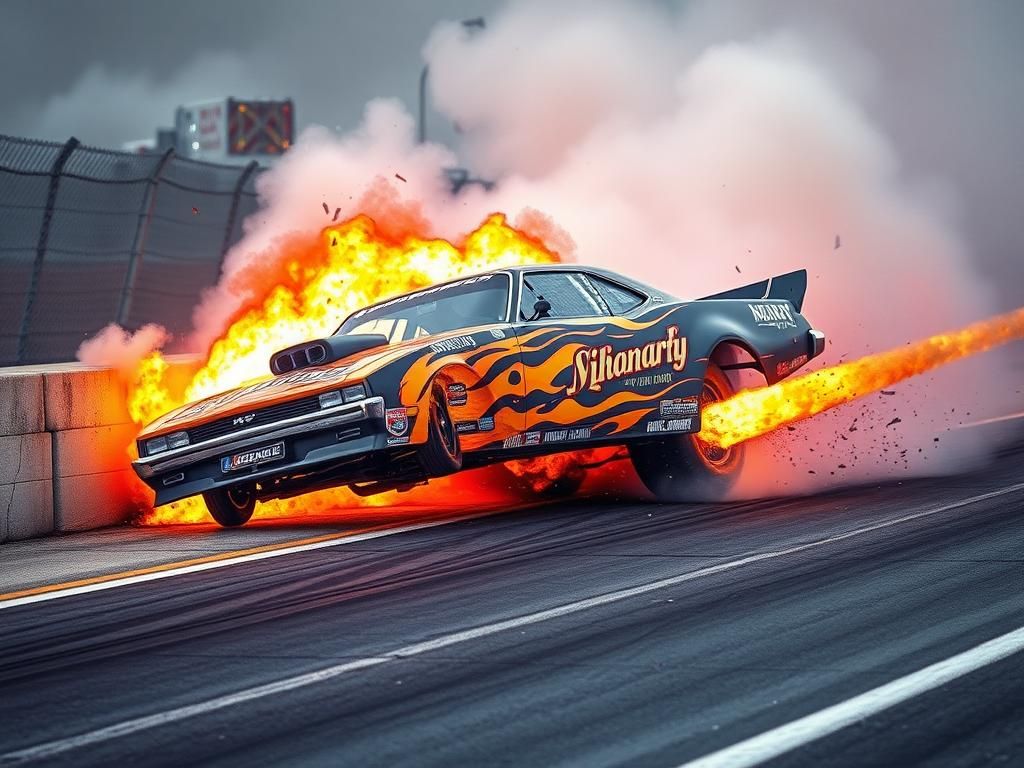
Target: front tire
684, 467
441, 455
231, 507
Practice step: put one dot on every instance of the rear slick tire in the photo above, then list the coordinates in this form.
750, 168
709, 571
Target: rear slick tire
231, 507
441, 455
685, 468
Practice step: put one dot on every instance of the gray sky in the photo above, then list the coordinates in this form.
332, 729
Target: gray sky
331, 56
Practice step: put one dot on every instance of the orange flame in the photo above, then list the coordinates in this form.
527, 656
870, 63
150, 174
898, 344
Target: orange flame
309, 290
755, 412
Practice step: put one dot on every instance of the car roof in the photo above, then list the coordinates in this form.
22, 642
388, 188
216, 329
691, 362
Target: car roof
615, 277
516, 271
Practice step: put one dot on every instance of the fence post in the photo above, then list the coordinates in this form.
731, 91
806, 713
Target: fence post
243, 177
44, 236
138, 247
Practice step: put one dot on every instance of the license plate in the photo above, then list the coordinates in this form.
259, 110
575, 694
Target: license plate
252, 457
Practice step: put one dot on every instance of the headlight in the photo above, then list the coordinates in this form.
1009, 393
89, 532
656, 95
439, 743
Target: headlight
156, 445
353, 393
330, 399
166, 443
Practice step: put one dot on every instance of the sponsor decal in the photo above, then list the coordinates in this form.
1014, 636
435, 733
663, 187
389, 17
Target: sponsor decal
647, 380
497, 333
398, 440
486, 424
457, 394
240, 420
396, 420
462, 427
670, 425
252, 458
567, 435
772, 315
524, 439
593, 366
427, 292
453, 344
680, 406
786, 367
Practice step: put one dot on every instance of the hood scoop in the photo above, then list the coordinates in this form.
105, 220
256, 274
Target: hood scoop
323, 351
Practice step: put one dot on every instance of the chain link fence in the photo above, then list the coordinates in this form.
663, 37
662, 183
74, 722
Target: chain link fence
92, 236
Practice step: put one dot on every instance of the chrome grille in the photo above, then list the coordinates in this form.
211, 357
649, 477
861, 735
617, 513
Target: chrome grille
261, 416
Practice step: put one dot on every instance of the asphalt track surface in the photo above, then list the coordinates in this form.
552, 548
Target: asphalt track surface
568, 634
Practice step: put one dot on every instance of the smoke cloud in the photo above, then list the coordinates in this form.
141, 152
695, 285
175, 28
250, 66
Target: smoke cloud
117, 348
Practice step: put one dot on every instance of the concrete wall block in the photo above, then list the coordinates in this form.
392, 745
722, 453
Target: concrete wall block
26, 509
25, 457
80, 397
82, 502
21, 402
90, 450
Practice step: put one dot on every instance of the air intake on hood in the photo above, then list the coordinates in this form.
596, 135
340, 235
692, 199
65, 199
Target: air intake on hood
323, 351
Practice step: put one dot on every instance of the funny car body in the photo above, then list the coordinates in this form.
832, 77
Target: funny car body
506, 364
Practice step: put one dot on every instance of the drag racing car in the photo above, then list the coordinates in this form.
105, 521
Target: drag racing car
507, 364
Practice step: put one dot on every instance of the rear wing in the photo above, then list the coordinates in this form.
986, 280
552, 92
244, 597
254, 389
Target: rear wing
791, 286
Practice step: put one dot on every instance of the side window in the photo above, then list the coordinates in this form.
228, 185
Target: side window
568, 293
618, 298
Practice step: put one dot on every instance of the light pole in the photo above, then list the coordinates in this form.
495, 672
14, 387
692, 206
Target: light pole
421, 133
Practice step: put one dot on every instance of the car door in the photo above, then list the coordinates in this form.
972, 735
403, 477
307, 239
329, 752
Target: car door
597, 361
559, 313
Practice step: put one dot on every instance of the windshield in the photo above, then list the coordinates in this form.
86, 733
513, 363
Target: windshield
467, 303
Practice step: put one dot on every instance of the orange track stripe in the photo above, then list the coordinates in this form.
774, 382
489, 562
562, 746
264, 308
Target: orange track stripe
184, 563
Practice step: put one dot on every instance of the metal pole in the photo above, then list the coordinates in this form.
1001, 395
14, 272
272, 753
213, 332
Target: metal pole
422, 133
44, 236
478, 23
243, 178
141, 231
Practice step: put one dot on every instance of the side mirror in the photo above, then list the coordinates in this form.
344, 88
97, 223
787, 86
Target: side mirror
541, 308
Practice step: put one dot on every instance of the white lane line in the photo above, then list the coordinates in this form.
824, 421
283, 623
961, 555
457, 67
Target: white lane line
128, 727
790, 736
340, 541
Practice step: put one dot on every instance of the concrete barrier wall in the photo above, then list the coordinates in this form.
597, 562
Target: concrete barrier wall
64, 433
26, 460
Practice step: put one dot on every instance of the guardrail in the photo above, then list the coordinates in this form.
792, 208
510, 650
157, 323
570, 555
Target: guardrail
64, 466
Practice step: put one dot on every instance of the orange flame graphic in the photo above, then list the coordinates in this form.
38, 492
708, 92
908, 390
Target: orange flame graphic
306, 292
754, 412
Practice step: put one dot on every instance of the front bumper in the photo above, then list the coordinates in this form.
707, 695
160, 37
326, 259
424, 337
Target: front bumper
330, 435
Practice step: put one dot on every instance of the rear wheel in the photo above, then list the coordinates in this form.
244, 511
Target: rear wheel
231, 507
684, 467
441, 454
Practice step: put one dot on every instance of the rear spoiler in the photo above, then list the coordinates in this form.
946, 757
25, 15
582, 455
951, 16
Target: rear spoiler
791, 286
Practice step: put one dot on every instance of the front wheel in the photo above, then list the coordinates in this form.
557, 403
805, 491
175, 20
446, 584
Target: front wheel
684, 467
231, 507
441, 455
